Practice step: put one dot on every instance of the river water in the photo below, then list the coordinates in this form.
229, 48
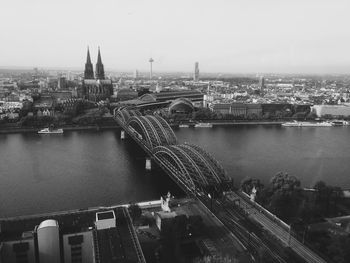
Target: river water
43, 173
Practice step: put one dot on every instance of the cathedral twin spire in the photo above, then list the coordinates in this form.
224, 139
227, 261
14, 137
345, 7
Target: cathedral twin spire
89, 71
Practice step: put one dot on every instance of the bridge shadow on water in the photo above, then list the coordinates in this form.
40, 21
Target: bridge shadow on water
160, 181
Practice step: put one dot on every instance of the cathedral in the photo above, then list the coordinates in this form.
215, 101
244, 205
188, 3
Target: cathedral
95, 88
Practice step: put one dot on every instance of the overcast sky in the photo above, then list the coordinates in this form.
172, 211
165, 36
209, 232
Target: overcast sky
234, 36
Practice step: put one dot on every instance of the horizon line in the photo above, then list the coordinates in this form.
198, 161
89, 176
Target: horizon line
57, 68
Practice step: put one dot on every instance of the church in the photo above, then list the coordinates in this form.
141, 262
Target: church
95, 88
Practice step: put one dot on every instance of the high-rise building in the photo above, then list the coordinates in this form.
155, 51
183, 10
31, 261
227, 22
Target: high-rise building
262, 82
196, 71
89, 71
136, 74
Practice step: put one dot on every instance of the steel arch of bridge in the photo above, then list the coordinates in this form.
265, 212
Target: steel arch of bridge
175, 165
155, 130
191, 164
124, 115
211, 160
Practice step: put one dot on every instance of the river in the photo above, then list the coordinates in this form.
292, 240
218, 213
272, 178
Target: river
79, 169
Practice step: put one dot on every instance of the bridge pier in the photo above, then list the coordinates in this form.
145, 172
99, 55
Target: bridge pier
122, 134
148, 164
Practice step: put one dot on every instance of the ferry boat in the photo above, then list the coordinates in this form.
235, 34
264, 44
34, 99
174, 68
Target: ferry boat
307, 124
50, 131
340, 123
203, 125
184, 126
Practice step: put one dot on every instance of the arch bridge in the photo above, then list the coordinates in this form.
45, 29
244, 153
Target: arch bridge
197, 173
190, 166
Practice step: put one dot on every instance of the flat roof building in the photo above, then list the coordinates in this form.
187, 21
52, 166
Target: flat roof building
119, 243
105, 220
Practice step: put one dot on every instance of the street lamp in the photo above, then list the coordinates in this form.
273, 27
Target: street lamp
305, 231
211, 202
289, 235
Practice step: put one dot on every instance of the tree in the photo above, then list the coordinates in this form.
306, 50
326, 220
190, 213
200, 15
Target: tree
202, 114
282, 181
326, 196
299, 115
338, 249
135, 211
311, 116
285, 197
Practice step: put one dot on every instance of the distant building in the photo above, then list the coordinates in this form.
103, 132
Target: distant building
262, 82
136, 74
62, 83
89, 71
70, 106
124, 94
238, 109
196, 72
181, 106
151, 70
58, 95
99, 88
333, 110
195, 96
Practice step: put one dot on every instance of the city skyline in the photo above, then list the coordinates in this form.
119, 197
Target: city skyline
224, 36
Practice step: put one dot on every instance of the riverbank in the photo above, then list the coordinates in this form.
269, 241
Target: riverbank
143, 205
246, 123
6, 130
231, 123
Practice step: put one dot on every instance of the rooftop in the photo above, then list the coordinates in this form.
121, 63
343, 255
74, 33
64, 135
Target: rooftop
118, 244
48, 223
105, 215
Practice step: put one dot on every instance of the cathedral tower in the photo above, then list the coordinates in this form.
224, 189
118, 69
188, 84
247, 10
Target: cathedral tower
89, 71
100, 72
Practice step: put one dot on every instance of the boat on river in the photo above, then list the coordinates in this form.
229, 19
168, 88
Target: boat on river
340, 123
203, 125
307, 124
50, 131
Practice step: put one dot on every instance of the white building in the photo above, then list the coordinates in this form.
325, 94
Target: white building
334, 110
49, 242
105, 220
